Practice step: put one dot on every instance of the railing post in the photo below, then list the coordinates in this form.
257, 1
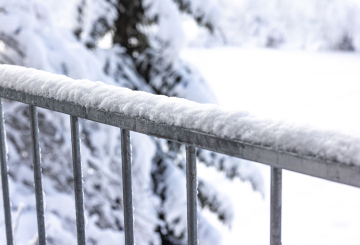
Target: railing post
275, 206
191, 188
5, 181
127, 187
78, 181
37, 175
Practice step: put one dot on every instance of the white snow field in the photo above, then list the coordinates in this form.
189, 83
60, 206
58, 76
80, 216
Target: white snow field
321, 87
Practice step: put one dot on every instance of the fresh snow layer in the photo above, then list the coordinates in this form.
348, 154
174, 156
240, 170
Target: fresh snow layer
276, 132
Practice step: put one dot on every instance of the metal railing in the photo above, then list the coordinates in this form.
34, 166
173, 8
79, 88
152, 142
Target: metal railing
278, 160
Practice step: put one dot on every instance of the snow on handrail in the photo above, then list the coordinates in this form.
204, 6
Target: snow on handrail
279, 143
274, 142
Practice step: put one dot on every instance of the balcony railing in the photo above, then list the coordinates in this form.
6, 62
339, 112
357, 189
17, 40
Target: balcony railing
24, 85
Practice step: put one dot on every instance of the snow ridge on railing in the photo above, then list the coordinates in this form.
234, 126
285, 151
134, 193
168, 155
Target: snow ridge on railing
281, 135
280, 144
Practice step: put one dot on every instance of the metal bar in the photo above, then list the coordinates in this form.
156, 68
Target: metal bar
191, 188
5, 181
37, 175
127, 187
323, 168
78, 181
275, 206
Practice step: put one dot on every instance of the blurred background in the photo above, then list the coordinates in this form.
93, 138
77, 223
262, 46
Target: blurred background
295, 59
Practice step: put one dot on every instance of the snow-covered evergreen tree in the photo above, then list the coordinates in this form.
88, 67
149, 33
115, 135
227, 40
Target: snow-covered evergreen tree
146, 35
308, 24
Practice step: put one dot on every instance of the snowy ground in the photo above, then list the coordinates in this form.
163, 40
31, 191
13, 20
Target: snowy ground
268, 81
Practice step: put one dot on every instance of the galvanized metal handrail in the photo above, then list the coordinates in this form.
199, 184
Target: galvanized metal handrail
278, 160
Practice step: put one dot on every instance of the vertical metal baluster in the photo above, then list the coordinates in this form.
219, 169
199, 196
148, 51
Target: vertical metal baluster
191, 186
127, 186
275, 206
37, 175
78, 181
5, 181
